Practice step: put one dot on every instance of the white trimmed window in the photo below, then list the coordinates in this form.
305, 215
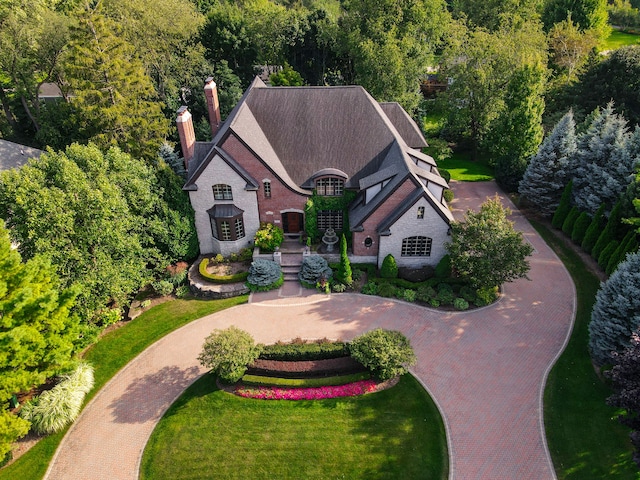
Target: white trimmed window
416, 247
239, 228
222, 192
330, 186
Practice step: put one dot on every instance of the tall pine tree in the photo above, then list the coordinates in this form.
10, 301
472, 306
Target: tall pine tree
549, 170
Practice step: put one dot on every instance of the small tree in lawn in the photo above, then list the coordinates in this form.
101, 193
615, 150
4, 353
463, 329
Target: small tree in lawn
625, 379
228, 353
486, 250
387, 353
344, 273
616, 313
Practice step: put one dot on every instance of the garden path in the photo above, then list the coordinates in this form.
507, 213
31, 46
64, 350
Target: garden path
485, 368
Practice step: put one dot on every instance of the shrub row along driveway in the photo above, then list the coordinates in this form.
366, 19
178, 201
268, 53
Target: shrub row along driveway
485, 368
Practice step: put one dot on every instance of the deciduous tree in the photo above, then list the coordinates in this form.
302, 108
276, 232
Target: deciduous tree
486, 250
228, 353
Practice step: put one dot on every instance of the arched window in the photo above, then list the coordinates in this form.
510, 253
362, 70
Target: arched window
330, 186
222, 192
416, 247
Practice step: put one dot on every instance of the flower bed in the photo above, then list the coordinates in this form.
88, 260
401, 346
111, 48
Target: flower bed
316, 393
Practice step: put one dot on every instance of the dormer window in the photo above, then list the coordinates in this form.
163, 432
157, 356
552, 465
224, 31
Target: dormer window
330, 186
222, 192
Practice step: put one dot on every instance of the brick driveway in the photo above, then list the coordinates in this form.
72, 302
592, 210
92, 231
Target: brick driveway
485, 369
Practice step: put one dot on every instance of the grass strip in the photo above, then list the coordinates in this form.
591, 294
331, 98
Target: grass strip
463, 169
619, 39
110, 354
396, 433
305, 382
584, 439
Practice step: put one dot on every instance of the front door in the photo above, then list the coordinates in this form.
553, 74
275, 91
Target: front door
292, 222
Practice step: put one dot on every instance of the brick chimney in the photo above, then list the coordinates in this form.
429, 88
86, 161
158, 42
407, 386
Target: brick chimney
186, 134
211, 94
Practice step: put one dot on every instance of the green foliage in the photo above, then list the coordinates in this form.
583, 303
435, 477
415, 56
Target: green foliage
386, 353
344, 272
11, 429
269, 237
443, 269
228, 353
570, 220
54, 409
580, 228
564, 207
609, 232
486, 296
409, 295
319, 202
389, 268
448, 195
287, 77
588, 14
259, 380
304, 350
313, 269
607, 252
370, 288
264, 275
594, 230
38, 336
220, 279
105, 220
162, 287
426, 293
387, 290
486, 250
460, 304
629, 244
445, 295
446, 175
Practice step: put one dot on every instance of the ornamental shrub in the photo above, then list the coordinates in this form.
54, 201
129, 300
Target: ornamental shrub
443, 269
409, 295
468, 293
594, 230
387, 290
448, 195
344, 271
264, 274
228, 352
339, 287
426, 293
269, 237
580, 227
609, 231
309, 350
314, 268
605, 255
389, 267
486, 296
629, 244
60, 406
460, 304
370, 288
386, 353
563, 207
569, 222
446, 296
445, 174
162, 287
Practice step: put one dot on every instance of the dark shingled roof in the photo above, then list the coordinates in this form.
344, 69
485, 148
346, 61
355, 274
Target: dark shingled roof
14, 155
410, 132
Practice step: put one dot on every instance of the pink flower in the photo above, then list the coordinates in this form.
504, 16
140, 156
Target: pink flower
312, 393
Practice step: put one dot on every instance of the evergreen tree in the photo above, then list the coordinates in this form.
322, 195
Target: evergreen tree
569, 222
607, 252
38, 336
517, 132
629, 244
549, 170
113, 94
625, 379
171, 158
587, 14
604, 161
594, 230
580, 228
564, 207
609, 233
344, 272
616, 313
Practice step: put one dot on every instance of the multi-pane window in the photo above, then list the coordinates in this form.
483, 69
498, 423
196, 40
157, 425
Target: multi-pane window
329, 219
420, 212
222, 192
225, 230
330, 186
416, 247
267, 188
239, 227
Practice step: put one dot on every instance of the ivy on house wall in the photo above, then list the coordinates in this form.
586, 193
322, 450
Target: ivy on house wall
317, 202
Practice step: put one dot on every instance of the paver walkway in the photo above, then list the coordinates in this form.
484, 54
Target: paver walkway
485, 368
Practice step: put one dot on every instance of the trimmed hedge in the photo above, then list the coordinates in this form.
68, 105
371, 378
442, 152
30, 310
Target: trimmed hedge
256, 380
319, 350
220, 279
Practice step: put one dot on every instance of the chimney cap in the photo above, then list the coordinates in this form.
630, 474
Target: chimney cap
183, 113
209, 83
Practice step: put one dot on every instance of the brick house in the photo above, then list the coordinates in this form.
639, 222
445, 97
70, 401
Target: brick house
281, 146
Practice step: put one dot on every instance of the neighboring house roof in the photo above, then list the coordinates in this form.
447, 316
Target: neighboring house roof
14, 155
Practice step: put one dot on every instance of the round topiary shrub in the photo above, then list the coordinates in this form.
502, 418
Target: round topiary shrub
448, 195
389, 268
460, 304
264, 275
386, 353
314, 268
386, 290
228, 353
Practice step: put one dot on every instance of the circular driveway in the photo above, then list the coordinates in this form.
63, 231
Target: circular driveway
485, 368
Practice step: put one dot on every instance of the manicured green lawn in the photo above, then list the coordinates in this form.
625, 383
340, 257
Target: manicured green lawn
619, 39
584, 439
463, 169
112, 353
208, 433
